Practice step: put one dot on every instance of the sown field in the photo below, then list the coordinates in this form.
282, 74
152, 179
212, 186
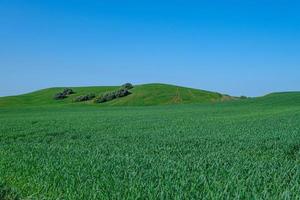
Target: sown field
247, 149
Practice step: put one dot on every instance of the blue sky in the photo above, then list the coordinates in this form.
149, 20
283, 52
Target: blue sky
234, 47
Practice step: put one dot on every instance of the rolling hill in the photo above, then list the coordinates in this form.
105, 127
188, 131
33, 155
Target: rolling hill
206, 151
280, 98
147, 94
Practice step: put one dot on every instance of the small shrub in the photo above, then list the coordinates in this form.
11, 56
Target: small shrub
108, 96
60, 96
68, 91
121, 93
99, 100
127, 86
85, 97
64, 94
102, 99
243, 97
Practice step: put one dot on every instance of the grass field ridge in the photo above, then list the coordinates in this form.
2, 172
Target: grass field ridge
145, 94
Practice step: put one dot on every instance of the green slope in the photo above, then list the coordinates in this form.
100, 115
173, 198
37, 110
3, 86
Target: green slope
273, 99
245, 149
162, 94
148, 94
45, 96
238, 150
281, 98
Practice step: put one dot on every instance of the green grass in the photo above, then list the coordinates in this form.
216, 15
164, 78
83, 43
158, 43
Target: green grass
245, 149
45, 96
148, 94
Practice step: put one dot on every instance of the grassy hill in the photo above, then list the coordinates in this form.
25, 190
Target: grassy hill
145, 95
148, 94
280, 98
45, 96
245, 149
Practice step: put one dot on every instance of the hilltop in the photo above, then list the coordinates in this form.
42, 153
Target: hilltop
146, 94
113, 146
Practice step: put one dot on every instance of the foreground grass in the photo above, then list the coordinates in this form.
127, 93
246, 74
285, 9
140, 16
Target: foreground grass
225, 151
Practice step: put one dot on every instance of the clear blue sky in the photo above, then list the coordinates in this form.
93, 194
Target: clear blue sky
235, 47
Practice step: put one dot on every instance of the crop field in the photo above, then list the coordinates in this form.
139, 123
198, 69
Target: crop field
247, 149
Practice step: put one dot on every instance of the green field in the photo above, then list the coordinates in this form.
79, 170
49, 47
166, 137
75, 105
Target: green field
161, 142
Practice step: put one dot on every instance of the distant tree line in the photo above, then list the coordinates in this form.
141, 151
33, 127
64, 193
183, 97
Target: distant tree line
105, 97
64, 94
108, 96
87, 97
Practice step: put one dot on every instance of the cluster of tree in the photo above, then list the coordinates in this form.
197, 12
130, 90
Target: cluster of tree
243, 97
108, 96
127, 86
64, 94
87, 97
